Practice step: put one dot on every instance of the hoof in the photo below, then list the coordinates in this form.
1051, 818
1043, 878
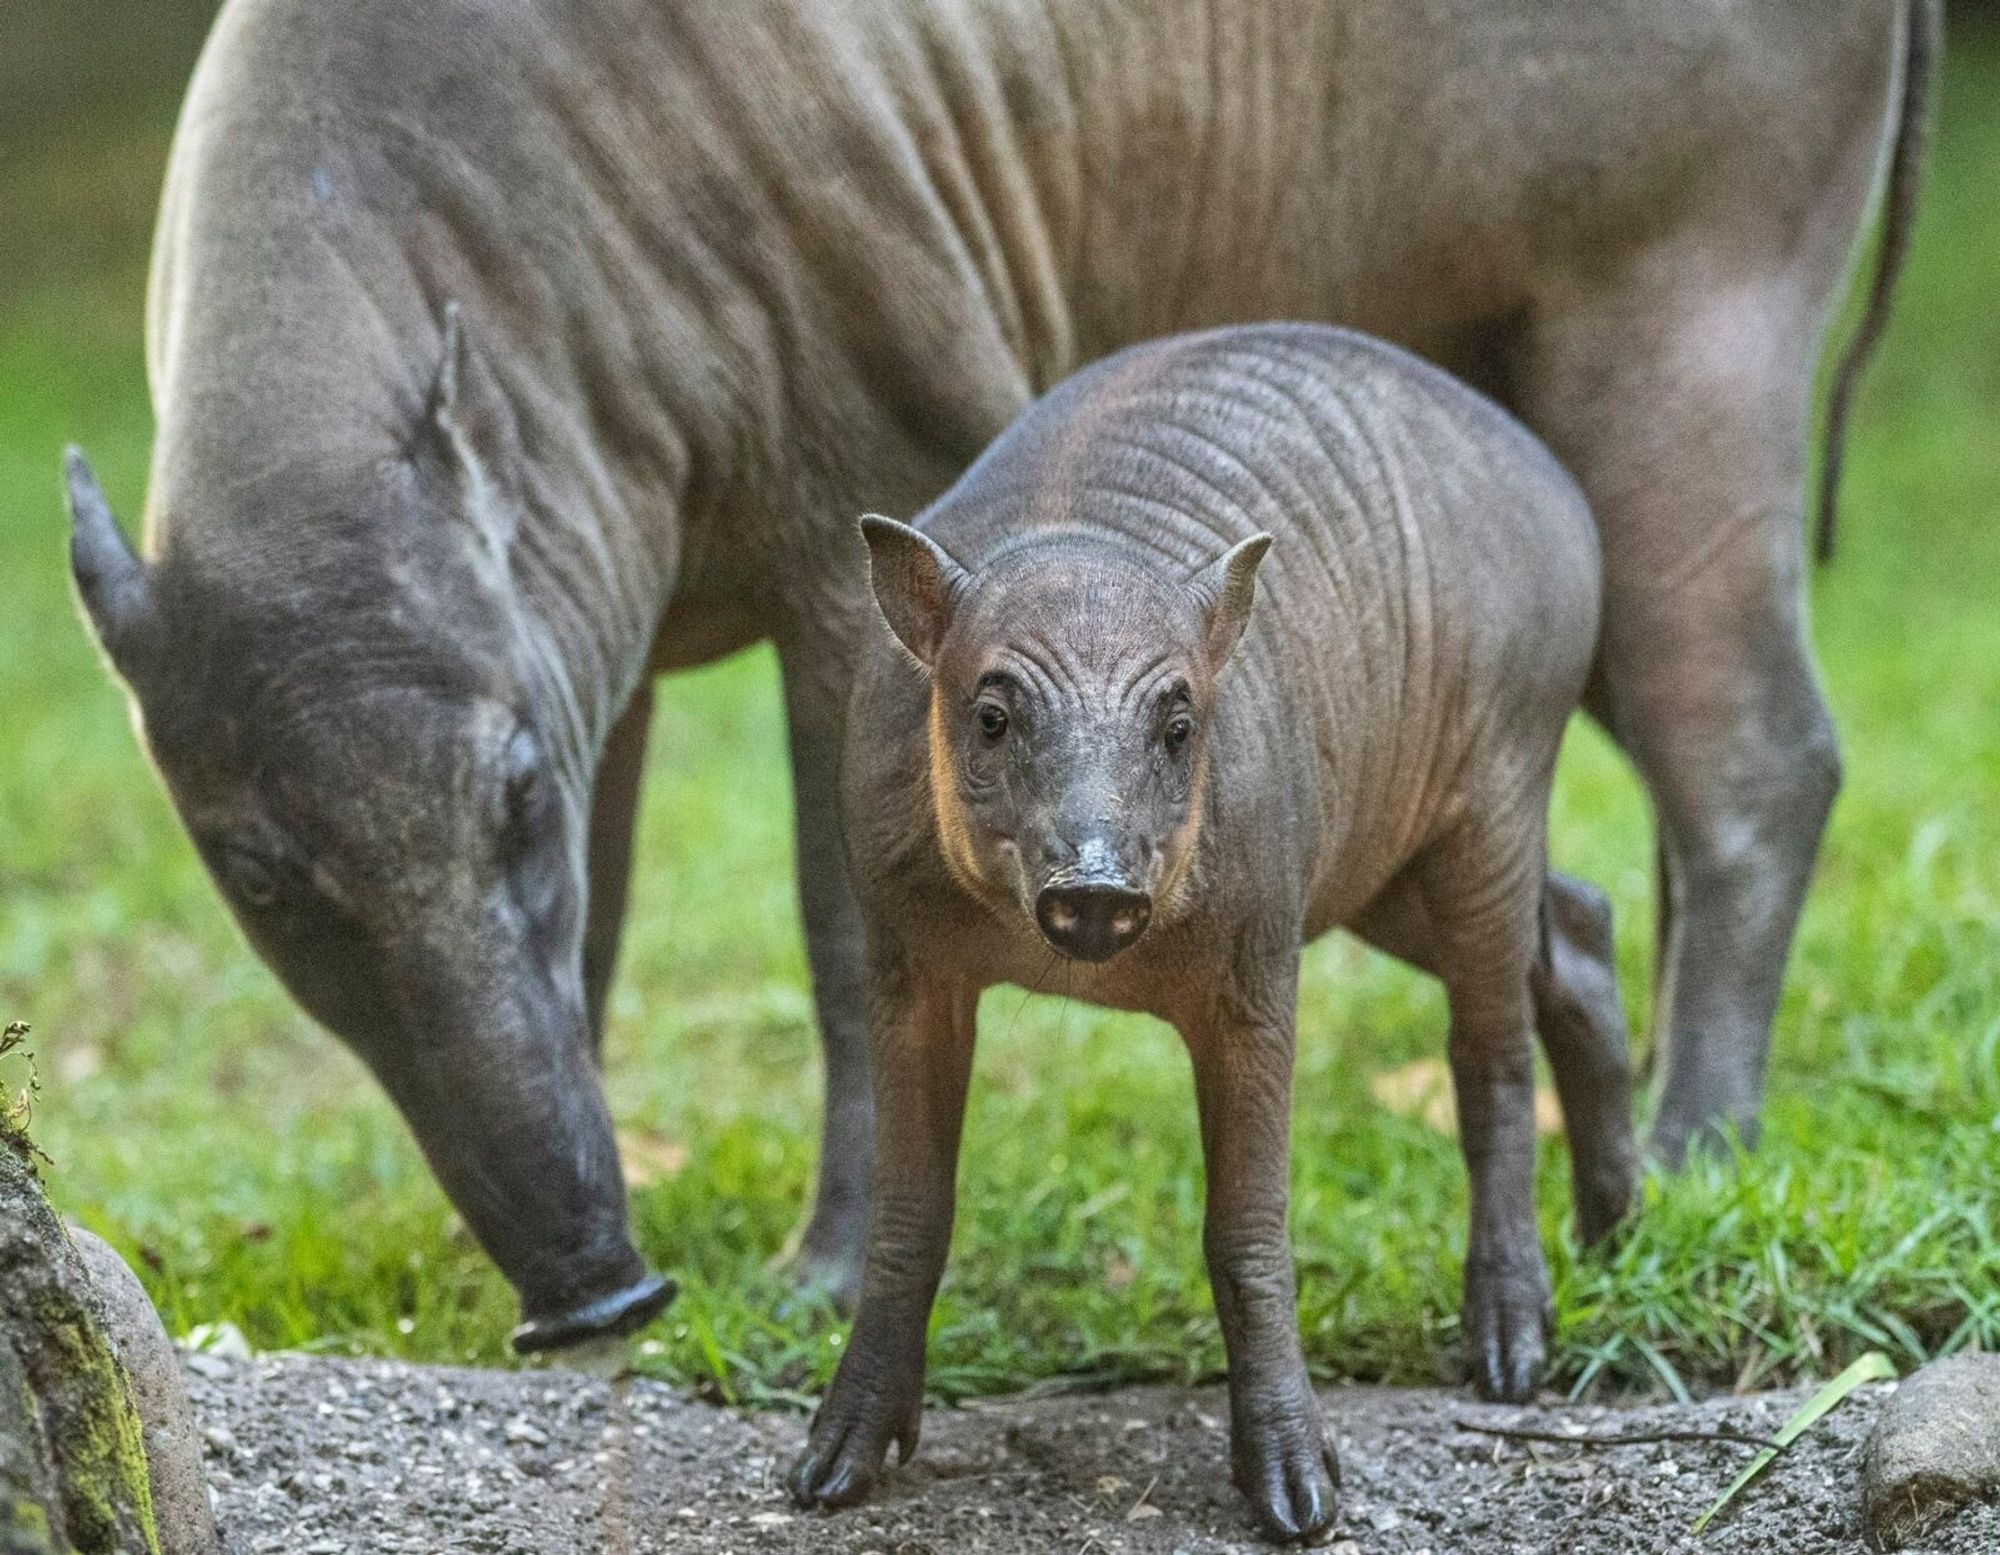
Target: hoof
1604, 1202
1289, 1476
845, 1451
1507, 1323
1674, 1138
823, 1265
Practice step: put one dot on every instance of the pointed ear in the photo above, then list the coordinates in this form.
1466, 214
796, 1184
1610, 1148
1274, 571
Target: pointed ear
1223, 591
916, 584
441, 407
466, 431
114, 584
463, 417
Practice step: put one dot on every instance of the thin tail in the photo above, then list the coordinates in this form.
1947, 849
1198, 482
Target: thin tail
1906, 163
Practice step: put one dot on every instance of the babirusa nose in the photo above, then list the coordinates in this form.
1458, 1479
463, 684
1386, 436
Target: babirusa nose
1092, 920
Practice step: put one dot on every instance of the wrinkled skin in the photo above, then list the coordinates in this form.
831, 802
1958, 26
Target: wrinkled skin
351, 809
734, 271
1073, 693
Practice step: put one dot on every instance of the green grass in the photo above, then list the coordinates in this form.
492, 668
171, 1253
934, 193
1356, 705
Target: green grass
258, 1177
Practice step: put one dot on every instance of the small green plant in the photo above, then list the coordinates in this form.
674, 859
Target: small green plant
18, 1111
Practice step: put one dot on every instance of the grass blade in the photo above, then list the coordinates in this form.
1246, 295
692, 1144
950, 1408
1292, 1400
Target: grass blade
1664, 1369
1872, 1367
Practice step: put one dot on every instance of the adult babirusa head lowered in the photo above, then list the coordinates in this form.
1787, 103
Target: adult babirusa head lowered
1072, 685
353, 704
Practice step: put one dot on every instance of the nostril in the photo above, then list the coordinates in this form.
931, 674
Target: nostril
1127, 922
1092, 922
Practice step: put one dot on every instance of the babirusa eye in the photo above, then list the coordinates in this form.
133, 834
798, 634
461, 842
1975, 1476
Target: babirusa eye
522, 789
253, 879
524, 776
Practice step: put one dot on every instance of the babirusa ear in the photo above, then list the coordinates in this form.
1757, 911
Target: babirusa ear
916, 584
443, 415
467, 430
451, 362
1223, 591
465, 418
111, 580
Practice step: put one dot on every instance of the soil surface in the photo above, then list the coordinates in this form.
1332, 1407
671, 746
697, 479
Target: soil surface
322, 1457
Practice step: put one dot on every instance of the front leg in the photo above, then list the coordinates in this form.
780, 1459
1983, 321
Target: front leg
922, 1053
826, 1250
614, 809
1242, 1053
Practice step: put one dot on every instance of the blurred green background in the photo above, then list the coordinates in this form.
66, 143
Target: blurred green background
257, 1178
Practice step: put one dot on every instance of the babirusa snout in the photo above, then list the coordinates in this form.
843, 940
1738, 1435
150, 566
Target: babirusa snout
1096, 903
508, 1109
1092, 920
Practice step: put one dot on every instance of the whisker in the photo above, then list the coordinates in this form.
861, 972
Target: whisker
1030, 992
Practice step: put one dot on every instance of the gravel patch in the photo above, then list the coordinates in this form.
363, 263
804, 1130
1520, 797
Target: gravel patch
328, 1457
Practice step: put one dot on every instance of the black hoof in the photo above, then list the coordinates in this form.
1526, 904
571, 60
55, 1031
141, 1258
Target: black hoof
1676, 1139
1287, 1470
836, 1281
823, 1258
1507, 1326
1293, 1498
1604, 1206
845, 1451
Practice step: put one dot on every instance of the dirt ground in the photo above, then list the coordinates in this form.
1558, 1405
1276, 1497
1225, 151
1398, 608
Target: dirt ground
320, 1457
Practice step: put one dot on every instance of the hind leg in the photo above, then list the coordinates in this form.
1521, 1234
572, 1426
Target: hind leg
1675, 378
1581, 1022
1684, 419
1573, 983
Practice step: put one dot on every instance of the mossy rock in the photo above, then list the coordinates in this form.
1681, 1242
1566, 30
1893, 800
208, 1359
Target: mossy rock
73, 1473
27, 1476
